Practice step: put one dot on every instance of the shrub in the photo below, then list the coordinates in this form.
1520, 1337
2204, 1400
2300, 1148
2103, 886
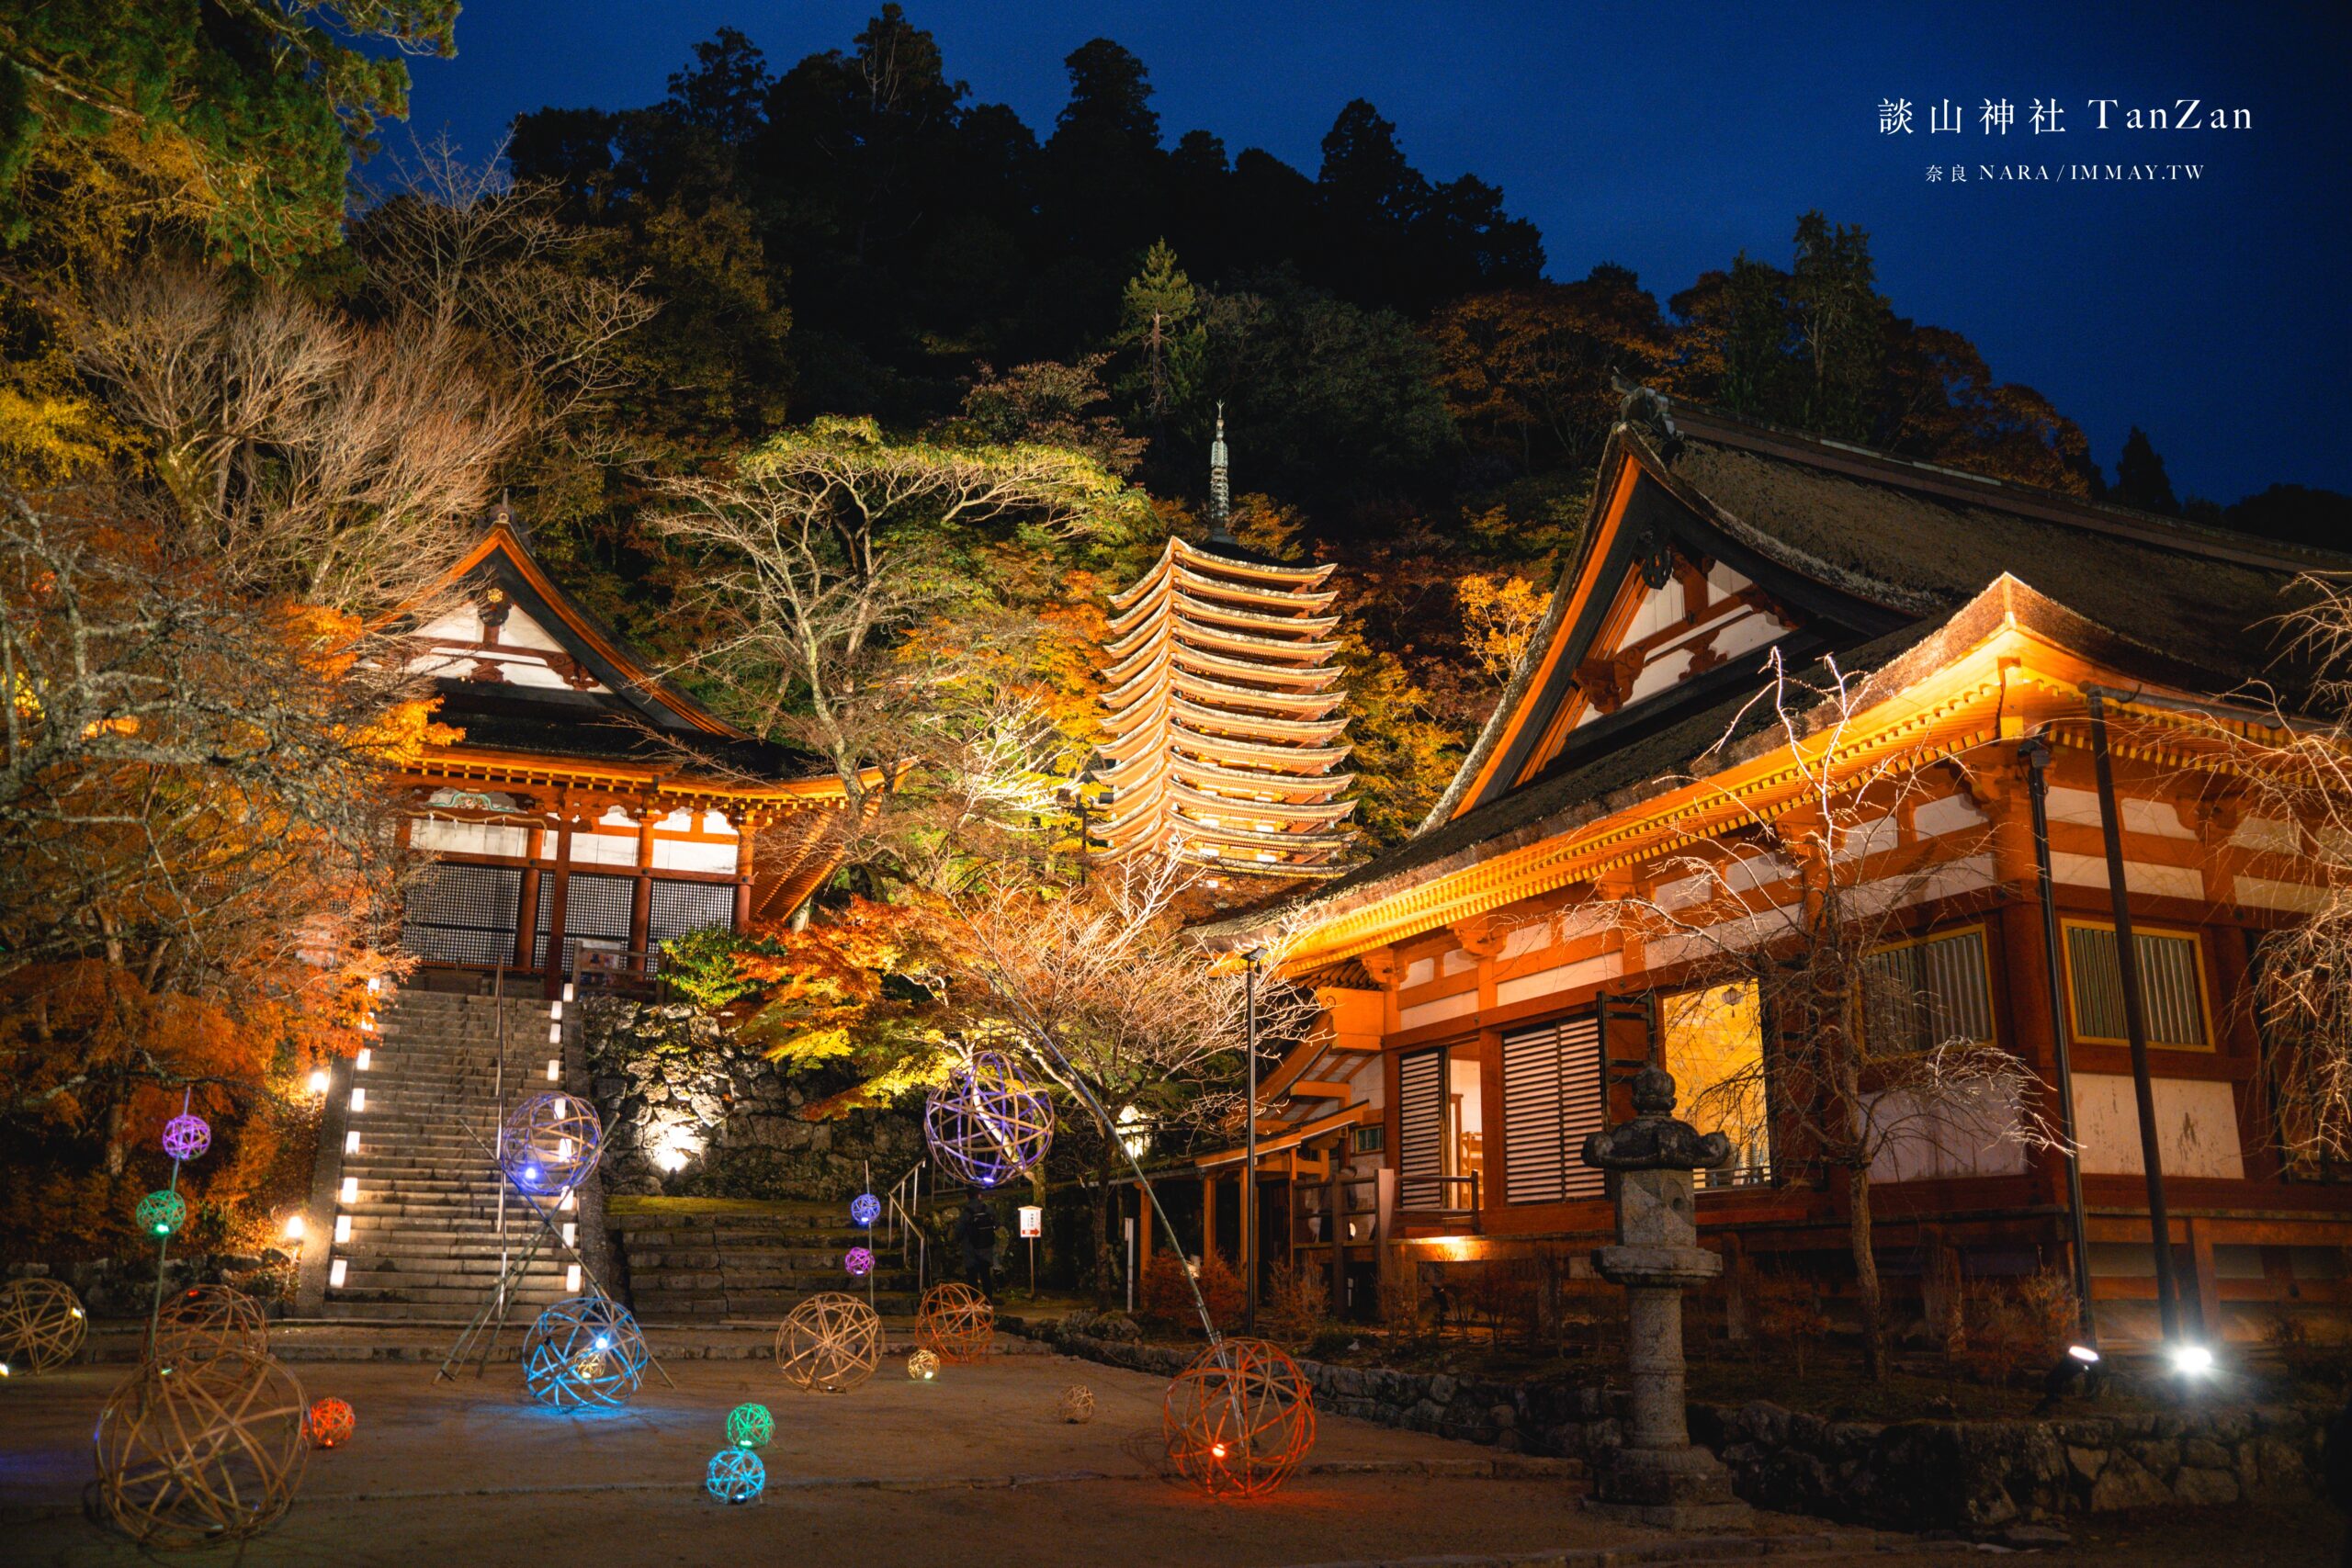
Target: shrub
1167, 1295
1297, 1301
701, 966
1224, 1291
1789, 1312
2018, 1322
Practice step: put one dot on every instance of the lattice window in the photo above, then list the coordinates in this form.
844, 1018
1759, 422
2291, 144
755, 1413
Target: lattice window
462, 914
2172, 991
596, 906
1920, 994
681, 906
1421, 1121
1553, 1098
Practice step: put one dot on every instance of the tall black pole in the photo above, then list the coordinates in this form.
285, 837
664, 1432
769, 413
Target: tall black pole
2035, 754
1249, 1227
2135, 1023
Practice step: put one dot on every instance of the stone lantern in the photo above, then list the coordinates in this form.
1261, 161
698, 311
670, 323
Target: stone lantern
1658, 1477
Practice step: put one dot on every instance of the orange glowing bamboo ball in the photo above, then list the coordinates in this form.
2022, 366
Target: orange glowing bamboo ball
329, 1424
1238, 1420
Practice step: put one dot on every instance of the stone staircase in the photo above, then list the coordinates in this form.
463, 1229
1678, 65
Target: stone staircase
423, 1240
697, 1264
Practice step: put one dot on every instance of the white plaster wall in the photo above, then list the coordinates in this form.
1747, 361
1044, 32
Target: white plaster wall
2197, 1126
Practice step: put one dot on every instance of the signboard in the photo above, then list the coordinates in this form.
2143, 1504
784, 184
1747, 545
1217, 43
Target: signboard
1033, 1221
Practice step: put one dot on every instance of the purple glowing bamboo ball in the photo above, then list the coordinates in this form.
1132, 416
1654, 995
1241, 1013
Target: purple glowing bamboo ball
185, 1137
859, 1261
864, 1209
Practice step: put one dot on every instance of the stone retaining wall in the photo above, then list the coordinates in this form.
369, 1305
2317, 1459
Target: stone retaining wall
1973, 1476
668, 1077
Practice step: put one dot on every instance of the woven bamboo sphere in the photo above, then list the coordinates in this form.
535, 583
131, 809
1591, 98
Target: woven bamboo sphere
550, 1142
923, 1366
190, 1456
736, 1475
42, 1324
1076, 1406
332, 1423
204, 1323
584, 1353
160, 1213
1239, 1419
987, 1124
957, 1322
185, 1137
749, 1426
829, 1344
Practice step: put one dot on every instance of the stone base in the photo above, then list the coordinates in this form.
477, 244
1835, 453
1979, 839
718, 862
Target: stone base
1666, 1488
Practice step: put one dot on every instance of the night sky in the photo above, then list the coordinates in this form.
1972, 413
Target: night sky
2215, 313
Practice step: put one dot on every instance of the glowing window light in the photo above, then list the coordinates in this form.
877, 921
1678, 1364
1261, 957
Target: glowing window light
351, 1190
572, 1278
343, 1227
336, 1273
358, 1099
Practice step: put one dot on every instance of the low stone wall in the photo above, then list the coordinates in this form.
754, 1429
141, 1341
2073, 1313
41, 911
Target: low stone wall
669, 1078
1972, 1476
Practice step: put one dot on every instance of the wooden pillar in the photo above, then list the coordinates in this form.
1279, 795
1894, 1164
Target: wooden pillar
1335, 1226
640, 905
526, 909
2209, 1289
1208, 1219
1145, 1221
747, 835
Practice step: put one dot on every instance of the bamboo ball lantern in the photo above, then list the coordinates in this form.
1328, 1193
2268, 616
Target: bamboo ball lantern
584, 1353
332, 1421
736, 1475
864, 1209
549, 1142
987, 1124
829, 1344
42, 1324
205, 1323
185, 1137
923, 1366
859, 1261
956, 1322
188, 1457
161, 1212
1239, 1419
749, 1426
1076, 1406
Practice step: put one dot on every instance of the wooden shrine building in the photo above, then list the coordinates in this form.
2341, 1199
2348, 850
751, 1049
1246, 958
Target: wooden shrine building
590, 804
1626, 817
1225, 732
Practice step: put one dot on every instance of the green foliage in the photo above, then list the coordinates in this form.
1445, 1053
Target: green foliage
242, 114
702, 965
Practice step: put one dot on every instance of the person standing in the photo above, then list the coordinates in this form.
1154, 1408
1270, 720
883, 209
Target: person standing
976, 1230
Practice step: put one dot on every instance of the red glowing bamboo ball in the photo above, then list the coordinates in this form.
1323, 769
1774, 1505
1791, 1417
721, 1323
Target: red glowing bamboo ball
329, 1424
1239, 1419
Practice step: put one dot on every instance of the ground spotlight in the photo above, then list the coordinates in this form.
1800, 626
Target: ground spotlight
2076, 1371
2192, 1360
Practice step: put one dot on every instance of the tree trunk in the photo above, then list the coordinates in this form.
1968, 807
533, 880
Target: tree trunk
1102, 1265
1858, 1188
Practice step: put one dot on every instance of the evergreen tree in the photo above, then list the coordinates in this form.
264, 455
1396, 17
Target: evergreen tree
1160, 323
2140, 479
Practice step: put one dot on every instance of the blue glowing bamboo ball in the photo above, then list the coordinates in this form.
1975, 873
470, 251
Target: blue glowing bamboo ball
749, 1426
161, 1212
736, 1475
583, 1353
864, 1209
550, 1142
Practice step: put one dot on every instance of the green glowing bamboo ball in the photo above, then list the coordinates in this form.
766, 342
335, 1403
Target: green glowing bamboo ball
161, 1212
749, 1426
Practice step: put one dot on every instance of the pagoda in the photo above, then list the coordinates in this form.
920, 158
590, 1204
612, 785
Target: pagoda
1224, 733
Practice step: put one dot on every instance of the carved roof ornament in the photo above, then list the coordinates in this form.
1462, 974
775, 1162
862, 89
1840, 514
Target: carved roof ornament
1654, 1139
1644, 410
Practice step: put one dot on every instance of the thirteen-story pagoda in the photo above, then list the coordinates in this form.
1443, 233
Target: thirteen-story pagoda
1225, 732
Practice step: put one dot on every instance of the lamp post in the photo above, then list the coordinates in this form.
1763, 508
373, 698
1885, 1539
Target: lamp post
1075, 793
2035, 754
1250, 1139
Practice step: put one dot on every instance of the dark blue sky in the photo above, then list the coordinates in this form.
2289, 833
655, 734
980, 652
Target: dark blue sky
2215, 313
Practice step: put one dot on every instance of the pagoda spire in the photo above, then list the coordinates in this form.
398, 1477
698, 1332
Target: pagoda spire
1220, 486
